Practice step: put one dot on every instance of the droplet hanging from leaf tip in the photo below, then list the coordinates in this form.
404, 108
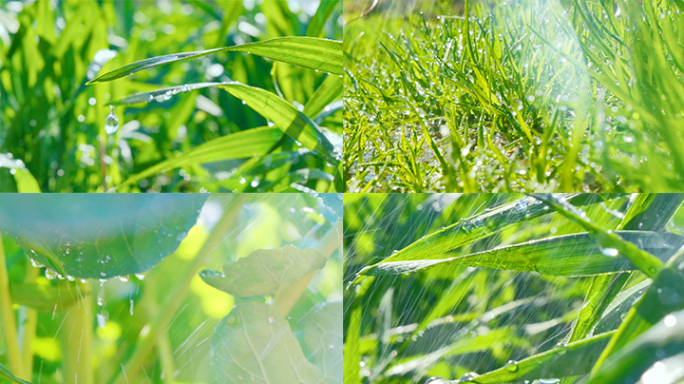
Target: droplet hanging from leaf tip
112, 121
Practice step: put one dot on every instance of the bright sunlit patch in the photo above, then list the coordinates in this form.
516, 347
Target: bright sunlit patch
215, 303
657, 374
110, 332
47, 348
192, 243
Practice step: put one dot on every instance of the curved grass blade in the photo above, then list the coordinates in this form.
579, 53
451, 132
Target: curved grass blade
569, 255
612, 317
329, 91
310, 52
647, 263
664, 296
663, 340
650, 212
570, 360
283, 114
5, 373
253, 142
478, 227
26, 183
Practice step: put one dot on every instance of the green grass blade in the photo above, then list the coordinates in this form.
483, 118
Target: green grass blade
657, 344
664, 296
352, 357
309, 52
568, 255
323, 13
605, 288
475, 228
283, 114
646, 262
6, 374
329, 91
249, 143
571, 360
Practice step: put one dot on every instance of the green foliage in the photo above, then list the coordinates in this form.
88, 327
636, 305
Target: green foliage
535, 295
52, 125
98, 237
166, 324
515, 96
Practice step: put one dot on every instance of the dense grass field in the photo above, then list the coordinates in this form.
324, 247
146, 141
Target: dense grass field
508, 288
506, 96
241, 119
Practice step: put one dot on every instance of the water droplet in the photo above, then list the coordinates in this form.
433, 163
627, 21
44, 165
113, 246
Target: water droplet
123, 278
670, 321
130, 310
468, 376
101, 320
167, 95
609, 251
112, 121
435, 380
50, 274
140, 276
271, 319
512, 366
331, 345
36, 264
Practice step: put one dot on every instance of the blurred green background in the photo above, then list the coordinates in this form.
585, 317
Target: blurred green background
52, 125
120, 310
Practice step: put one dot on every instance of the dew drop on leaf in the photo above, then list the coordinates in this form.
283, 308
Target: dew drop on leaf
50, 274
112, 121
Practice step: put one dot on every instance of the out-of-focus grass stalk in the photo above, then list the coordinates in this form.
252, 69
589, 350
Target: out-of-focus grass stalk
161, 320
8, 321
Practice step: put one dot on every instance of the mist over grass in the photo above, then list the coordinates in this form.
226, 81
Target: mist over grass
517, 96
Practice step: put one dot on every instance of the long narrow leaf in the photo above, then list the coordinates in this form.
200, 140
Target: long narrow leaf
568, 255
283, 114
310, 52
253, 142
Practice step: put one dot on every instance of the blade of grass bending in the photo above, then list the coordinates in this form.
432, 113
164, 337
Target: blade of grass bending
663, 340
604, 288
664, 296
283, 114
249, 143
477, 227
5, 373
310, 52
352, 357
647, 263
329, 91
569, 360
568, 255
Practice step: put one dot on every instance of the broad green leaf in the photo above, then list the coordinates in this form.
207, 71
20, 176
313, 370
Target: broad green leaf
6, 374
574, 359
264, 271
646, 262
310, 52
657, 344
568, 255
255, 344
283, 114
99, 235
477, 227
44, 298
323, 339
249, 143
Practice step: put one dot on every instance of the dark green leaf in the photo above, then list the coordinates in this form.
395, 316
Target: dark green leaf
99, 235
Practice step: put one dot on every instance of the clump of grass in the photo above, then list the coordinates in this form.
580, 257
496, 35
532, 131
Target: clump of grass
517, 96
